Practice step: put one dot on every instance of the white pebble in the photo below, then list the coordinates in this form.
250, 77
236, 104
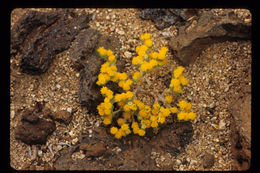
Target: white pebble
74, 141
121, 32
69, 110
127, 54
107, 17
97, 24
58, 86
90, 131
222, 124
12, 114
178, 162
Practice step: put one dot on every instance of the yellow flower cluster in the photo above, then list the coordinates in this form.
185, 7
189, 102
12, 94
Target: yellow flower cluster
108, 70
184, 114
147, 60
133, 115
178, 80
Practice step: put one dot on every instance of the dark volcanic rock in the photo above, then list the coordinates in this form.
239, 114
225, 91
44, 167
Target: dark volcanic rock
39, 36
34, 130
208, 30
84, 54
164, 18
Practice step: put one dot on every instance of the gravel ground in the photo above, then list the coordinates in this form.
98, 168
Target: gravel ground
222, 67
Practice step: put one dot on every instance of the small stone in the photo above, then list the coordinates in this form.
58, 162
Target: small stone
77, 74
58, 86
127, 54
12, 114
40, 153
166, 34
177, 162
69, 110
121, 32
107, 17
97, 24
215, 56
74, 141
226, 89
212, 105
221, 125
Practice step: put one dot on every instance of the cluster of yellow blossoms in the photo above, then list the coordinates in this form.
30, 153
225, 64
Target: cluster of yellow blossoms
178, 80
133, 115
147, 59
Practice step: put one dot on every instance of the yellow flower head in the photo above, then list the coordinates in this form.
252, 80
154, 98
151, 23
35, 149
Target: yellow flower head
153, 55
139, 103
125, 127
120, 121
161, 120
127, 115
109, 52
104, 90
145, 36
136, 75
148, 43
168, 99
127, 108
102, 51
153, 118
118, 134
137, 60
192, 115
113, 130
182, 115
107, 121
184, 105
178, 71
183, 80
111, 58
154, 124
135, 125
174, 110
141, 132
129, 94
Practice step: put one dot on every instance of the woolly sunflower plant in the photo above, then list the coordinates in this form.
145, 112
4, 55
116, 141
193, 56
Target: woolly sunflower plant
134, 116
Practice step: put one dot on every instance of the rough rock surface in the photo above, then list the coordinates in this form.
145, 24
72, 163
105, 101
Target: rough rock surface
164, 18
34, 130
84, 55
241, 125
209, 29
39, 37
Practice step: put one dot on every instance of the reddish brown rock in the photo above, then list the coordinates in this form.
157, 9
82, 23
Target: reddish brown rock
95, 150
209, 29
62, 116
34, 130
